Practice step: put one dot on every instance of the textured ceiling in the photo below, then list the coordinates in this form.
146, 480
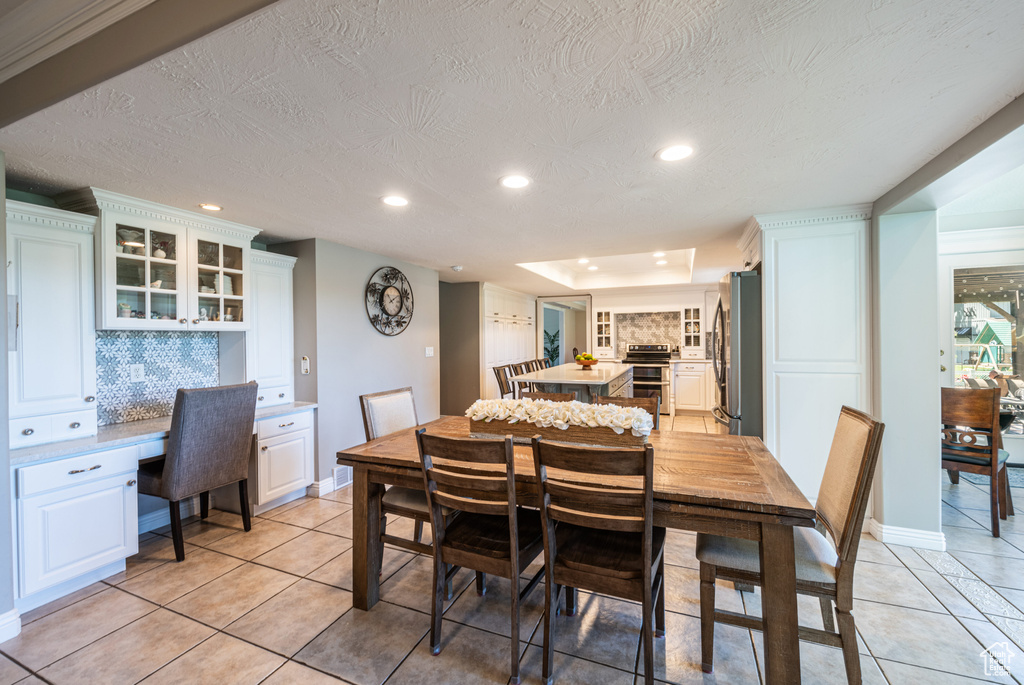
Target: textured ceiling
299, 118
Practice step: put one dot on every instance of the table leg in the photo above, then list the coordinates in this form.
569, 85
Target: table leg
779, 605
365, 539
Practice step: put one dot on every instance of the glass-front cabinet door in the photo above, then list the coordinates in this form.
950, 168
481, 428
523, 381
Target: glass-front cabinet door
218, 276
146, 279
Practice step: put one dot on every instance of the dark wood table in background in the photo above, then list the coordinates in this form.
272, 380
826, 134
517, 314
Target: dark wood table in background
720, 484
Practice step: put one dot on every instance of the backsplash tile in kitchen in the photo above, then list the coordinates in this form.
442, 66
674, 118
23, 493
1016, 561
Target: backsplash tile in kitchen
648, 327
172, 360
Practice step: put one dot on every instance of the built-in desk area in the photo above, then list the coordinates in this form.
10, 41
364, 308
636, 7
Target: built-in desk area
611, 379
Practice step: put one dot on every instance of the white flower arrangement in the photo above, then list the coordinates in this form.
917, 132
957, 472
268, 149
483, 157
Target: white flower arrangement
547, 414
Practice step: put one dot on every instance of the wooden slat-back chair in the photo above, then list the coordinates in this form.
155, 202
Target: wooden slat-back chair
651, 404
545, 363
504, 384
551, 396
822, 571
522, 386
972, 442
605, 540
490, 534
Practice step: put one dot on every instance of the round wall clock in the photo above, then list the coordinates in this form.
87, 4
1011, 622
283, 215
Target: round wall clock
389, 300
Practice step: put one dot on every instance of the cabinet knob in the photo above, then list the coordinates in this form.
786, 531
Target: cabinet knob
280, 394
130, 483
76, 424
195, 320
182, 320
263, 449
27, 431
90, 398
260, 398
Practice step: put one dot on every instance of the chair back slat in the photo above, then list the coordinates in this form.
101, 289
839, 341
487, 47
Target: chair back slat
471, 504
551, 396
545, 363
843, 495
469, 450
534, 364
613, 501
388, 412
501, 373
970, 420
626, 524
597, 461
652, 405
474, 480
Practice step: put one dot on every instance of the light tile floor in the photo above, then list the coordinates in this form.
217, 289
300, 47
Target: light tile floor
274, 606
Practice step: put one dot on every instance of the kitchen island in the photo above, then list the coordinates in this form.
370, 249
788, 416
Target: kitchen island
600, 379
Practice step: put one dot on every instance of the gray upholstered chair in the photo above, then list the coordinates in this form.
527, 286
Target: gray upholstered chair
208, 447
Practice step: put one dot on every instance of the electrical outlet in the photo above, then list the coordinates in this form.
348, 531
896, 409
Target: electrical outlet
430, 352
305, 366
137, 373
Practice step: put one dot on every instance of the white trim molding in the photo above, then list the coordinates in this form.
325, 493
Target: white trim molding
811, 217
980, 240
908, 537
319, 488
10, 625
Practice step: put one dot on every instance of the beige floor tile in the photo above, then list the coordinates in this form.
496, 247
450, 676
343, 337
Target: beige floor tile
909, 557
604, 630
822, 665
677, 656
966, 497
277, 511
412, 585
154, 552
304, 554
680, 549
951, 516
950, 597
340, 495
131, 653
404, 527
364, 647
1015, 597
917, 637
55, 636
570, 669
32, 680
11, 672
468, 657
338, 571
223, 660
312, 513
905, 673
264, 536
988, 635
219, 524
892, 585
682, 592
492, 611
870, 549
223, 600
967, 540
808, 608
288, 621
170, 581
1001, 571
65, 601
293, 673
339, 525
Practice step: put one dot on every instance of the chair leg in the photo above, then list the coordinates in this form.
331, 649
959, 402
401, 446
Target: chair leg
707, 617
848, 634
515, 630
1009, 494
179, 540
659, 607
380, 553
243, 503
437, 606
570, 601
550, 606
1002, 493
647, 635
481, 584
954, 476
994, 503
204, 504
826, 614
418, 530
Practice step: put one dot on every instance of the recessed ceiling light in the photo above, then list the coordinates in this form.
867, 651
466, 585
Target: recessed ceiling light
457, 268
591, 268
584, 261
659, 254
515, 181
661, 262
674, 153
210, 207
394, 200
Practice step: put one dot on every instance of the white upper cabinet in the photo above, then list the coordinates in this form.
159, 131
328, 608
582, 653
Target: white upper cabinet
52, 347
161, 268
269, 344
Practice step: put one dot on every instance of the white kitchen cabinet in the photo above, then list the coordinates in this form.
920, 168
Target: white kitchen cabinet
510, 333
162, 268
269, 344
284, 458
693, 333
52, 366
604, 334
74, 516
690, 387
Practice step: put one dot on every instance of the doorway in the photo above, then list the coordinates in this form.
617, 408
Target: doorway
564, 327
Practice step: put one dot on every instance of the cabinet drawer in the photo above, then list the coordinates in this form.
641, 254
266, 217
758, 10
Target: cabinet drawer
39, 430
689, 368
76, 470
279, 425
35, 430
280, 394
154, 448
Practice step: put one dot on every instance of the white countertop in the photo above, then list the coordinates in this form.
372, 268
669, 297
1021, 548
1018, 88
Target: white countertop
598, 374
131, 433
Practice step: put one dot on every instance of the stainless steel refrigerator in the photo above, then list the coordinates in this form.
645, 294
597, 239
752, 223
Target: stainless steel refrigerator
736, 354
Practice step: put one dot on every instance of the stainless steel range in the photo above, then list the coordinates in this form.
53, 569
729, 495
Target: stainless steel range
651, 375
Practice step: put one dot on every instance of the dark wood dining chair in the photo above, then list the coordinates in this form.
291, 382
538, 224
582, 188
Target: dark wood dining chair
490, 534
651, 404
535, 364
605, 540
501, 373
545, 363
972, 442
204, 454
522, 386
823, 569
551, 396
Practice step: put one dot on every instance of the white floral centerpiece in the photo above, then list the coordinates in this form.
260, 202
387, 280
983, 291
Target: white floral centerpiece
597, 424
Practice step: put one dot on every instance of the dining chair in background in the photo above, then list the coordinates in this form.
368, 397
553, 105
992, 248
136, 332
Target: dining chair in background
651, 404
209, 446
522, 386
501, 373
600, 537
545, 363
551, 396
823, 569
972, 442
490, 534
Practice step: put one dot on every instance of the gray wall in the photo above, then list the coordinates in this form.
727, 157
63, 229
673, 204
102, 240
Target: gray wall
6, 539
348, 356
459, 353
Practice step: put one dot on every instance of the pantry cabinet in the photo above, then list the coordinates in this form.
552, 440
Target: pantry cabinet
269, 344
509, 332
162, 268
51, 341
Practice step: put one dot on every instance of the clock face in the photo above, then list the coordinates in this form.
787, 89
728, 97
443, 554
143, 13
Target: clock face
389, 301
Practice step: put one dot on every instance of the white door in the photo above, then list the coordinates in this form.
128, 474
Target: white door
285, 464
690, 390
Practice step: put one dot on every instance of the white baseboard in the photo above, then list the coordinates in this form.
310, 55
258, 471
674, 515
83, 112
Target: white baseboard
909, 537
162, 517
10, 625
319, 488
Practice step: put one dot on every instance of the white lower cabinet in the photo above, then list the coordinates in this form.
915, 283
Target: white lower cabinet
690, 388
284, 457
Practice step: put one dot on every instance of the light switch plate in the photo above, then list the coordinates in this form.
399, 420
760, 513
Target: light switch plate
305, 366
430, 352
136, 373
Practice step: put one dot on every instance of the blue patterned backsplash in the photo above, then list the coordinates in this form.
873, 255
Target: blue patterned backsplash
173, 360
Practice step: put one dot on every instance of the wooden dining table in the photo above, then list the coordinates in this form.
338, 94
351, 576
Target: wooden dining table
720, 484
